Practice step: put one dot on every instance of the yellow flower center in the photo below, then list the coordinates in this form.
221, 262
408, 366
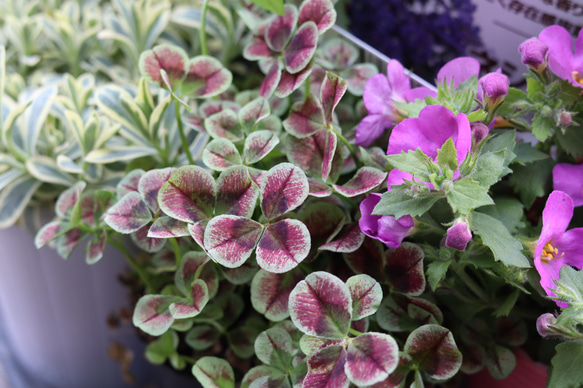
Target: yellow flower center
577, 78
550, 253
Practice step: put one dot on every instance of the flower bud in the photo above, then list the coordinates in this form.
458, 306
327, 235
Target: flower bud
479, 132
565, 119
493, 87
544, 323
534, 54
458, 235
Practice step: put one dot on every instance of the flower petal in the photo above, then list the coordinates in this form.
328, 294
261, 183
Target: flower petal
371, 128
399, 81
560, 50
459, 69
377, 94
557, 214
569, 178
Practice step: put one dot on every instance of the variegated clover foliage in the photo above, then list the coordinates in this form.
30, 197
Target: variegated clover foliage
219, 139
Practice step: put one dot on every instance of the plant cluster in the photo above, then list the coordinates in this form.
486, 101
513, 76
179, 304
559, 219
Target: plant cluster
303, 220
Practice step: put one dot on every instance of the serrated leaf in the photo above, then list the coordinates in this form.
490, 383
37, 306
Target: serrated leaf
214, 372
397, 203
370, 358
567, 371
321, 306
189, 194
532, 181
510, 211
366, 294
496, 237
283, 245
447, 155
542, 127
436, 272
489, 168
467, 195
412, 162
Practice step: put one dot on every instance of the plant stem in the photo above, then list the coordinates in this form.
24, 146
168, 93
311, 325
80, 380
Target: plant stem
203, 47
469, 282
354, 332
349, 146
176, 249
135, 266
181, 131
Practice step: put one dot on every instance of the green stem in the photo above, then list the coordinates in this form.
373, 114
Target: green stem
307, 88
128, 256
469, 282
181, 131
189, 359
177, 251
203, 47
350, 148
354, 332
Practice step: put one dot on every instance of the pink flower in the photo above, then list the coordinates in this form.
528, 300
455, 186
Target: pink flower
429, 132
388, 229
492, 88
565, 63
459, 70
569, 179
380, 94
556, 245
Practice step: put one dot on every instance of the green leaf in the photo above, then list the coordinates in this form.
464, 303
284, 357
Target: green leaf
508, 210
213, 372
446, 155
436, 272
415, 163
14, 198
275, 6
496, 237
567, 371
570, 284
571, 140
411, 109
478, 115
525, 153
397, 203
534, 88
504, 140
504, 309
489, 168
467, 195
508, 108
162, 348
542, 127
532, 181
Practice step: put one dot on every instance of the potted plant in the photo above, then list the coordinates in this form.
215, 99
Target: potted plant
287, 231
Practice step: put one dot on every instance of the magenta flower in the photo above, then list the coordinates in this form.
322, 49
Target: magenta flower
458, 70
556, 245
429, 132
565, 63
380, 93
569, 178
458, 235
534, 54
388, 229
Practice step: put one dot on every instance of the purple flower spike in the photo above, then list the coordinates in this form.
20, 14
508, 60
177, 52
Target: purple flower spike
387, 229
380, 93
556, 246
458, 70
565, 63
569, 179
534, 54
458, 235
492, 88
